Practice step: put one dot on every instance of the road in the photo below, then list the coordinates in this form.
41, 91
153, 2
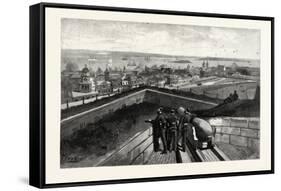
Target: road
80, 102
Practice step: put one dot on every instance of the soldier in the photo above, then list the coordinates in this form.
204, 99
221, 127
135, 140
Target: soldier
155, 134
160, 121
172, 124
185, 124
156, 129
228, 99
235, 96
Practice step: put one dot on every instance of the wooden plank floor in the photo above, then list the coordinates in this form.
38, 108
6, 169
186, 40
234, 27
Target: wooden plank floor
158, 158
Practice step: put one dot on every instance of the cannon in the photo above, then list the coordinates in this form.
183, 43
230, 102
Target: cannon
201, 135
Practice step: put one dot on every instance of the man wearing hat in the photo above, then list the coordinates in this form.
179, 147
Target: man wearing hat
159, 131
172, 124
185, 124
160, 121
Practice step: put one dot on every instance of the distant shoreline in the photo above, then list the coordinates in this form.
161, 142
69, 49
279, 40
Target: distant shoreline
132, 53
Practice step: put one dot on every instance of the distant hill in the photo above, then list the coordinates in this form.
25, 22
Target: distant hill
226, 59
182, 61
121, 53
81, 57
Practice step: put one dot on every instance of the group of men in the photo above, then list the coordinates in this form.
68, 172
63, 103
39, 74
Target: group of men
171, 128
232, 97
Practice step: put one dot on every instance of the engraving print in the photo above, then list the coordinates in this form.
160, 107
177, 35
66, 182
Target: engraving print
136, 93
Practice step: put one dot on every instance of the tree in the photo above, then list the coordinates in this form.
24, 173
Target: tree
66, 87
71, 67
243, 71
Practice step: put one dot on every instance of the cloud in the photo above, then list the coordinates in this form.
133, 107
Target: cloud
159, 38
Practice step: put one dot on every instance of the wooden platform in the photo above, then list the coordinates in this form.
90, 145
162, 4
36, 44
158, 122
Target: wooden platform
158, 158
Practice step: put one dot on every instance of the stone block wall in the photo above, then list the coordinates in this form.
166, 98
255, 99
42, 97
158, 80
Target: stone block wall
239, 131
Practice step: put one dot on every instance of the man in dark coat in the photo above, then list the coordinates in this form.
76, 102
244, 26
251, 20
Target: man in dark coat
235, 96
155, 136
160, 122
172, 125
185, 124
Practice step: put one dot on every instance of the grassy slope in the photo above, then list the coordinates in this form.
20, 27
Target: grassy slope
99, 138
239, 108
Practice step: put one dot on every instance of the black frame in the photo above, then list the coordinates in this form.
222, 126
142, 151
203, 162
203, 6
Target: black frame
37, 93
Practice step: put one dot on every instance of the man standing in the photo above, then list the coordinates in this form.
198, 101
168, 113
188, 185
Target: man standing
155, 135
185, 124
160, 121
235, 96
172, 124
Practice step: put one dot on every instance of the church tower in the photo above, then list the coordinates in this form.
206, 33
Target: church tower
85, 84
106, 74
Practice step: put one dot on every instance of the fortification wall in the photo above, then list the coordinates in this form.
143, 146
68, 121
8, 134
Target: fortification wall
70, 124
239, 131
245, 90
174, 101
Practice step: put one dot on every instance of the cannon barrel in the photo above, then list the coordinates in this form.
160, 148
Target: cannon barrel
203, 128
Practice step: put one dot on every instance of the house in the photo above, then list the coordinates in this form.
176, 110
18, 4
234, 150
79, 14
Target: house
115, 79
75, 80
171, 79
140, 81
126, 82
133, 79
104, 88
221, 70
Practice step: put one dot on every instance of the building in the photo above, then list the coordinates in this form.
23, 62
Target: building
74, 80
234, 66
171, 79
140, 81
106, 74
100, 77
205, 65
194, 70
133, 79
115, 79
85, 84
221, 70
126, 82
104, 88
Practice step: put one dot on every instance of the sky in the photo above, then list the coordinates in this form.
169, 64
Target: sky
171, 39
